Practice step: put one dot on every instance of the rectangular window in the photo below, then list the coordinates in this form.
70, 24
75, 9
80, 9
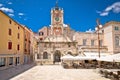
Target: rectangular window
10, 60
9, 45
18, 60
84, 42
25, 39
10, 32
2, 62
18, 27
18, 36
18, 47
10, 21
116, 28
92, 42
38, 56
29, 41
25, 50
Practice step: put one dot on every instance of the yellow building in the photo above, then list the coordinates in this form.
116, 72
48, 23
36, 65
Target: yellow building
11, 42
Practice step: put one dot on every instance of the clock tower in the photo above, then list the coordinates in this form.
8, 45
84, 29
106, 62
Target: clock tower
56, 20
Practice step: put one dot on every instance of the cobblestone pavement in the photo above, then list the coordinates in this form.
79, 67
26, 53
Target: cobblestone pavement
6, 74
57, 72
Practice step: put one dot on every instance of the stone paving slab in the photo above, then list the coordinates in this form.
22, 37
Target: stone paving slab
57, 72
6, 74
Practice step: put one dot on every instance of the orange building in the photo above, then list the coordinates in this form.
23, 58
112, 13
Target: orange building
11, 42
27, 44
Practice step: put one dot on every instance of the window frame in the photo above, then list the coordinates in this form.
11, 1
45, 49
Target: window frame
92, 42
10, 60
45, 55
18, 35
18, 47
9, 45
84, 42
116, 28
2, 61
9, 32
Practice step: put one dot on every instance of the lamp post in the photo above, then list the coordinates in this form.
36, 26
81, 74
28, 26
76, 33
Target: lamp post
99, 26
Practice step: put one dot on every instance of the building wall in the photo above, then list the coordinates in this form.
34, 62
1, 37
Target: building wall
116, 33
88, 46
32, 36
51, 49
43, 33
108, 38
7, 23
27, 44
109, 34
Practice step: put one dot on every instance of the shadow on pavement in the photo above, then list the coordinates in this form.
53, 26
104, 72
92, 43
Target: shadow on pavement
14, 71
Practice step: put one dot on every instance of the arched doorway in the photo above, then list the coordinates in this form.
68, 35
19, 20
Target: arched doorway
57, 56
69, 53
45, 55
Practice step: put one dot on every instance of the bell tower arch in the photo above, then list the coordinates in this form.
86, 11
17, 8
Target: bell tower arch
57, 20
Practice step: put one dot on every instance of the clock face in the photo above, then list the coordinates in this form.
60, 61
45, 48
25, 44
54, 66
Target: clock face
57, 18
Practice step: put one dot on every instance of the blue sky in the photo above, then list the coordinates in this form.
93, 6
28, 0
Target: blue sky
81, 15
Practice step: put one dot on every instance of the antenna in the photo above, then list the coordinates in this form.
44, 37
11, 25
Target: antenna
98, 21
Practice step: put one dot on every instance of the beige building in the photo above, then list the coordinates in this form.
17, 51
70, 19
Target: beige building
11, 42
88, 42
58, 39
111, 34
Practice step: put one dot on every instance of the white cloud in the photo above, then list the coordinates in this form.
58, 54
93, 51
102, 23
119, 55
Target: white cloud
1, 5
9, 2
11, 15
90, 31
115, 8
7, 9
20, 14
104, 13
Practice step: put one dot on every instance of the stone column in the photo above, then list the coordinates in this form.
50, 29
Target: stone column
35, 56
52, 57
14, 60
6, 62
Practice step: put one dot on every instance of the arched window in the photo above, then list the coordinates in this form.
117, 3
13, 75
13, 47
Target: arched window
38, 56
69, 53
41, 33
117, 43
45, 55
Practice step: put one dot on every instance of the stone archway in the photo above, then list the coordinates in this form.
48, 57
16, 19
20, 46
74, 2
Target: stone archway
45, 55
69, 53
57, 56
